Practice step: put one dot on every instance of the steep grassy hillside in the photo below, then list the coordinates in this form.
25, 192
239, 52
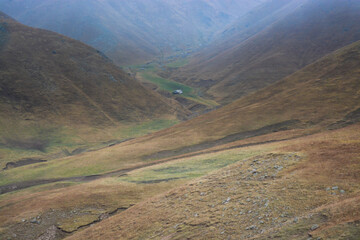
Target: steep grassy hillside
306, 188
322, 95
289, 175
270, 43
131, 31
54, 89
281, 162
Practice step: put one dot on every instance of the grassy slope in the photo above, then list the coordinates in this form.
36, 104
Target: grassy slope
57, 93
318, 95
235, 203
169, 86
274, 48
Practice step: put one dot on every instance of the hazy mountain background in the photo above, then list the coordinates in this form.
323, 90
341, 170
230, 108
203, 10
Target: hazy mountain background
270, 42
132, 31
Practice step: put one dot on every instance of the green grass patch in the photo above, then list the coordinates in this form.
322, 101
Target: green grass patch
179, 63
136, 130
170, 86
188, 168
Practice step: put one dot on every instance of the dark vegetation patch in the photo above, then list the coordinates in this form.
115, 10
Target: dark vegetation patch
174, 170
26, 143
155, 181
282, 126
350, 118
31, 137
23, 162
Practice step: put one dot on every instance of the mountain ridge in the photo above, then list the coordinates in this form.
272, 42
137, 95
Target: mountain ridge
131, 32
278, 50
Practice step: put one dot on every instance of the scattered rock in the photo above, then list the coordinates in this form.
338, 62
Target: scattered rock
314, 227
35, 221
104, 216
227, 200
51, 233
253, 227
335, 188
342, 191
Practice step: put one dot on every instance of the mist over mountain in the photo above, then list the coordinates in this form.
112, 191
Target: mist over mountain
47, 77
269, 43
179, 119
131, 31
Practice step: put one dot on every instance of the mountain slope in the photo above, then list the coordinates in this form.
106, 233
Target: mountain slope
322, 95
49, 80
291, 190
134, 31
266, 195
291, 36
269, 135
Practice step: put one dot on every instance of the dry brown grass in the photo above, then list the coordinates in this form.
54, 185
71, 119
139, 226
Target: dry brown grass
70, 206
299, 190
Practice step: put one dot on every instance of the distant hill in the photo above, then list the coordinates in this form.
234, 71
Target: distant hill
272, 41
50, 79
131, 31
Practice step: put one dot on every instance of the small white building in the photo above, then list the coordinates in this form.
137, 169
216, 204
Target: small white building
178, 91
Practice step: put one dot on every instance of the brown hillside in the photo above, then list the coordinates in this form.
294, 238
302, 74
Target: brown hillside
58, 94
286, 40
306, 188
44, 75
322, 95
308, 179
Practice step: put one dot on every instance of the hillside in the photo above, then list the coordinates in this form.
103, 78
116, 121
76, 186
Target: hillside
286, 182
299, 134
307, 188
280, 118
135, 31
323, 95
269, 43
53, 88
87, 152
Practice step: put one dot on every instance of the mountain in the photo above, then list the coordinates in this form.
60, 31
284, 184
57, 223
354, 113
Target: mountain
135, 31
293, 139
269, 43
323, 95
49, 81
